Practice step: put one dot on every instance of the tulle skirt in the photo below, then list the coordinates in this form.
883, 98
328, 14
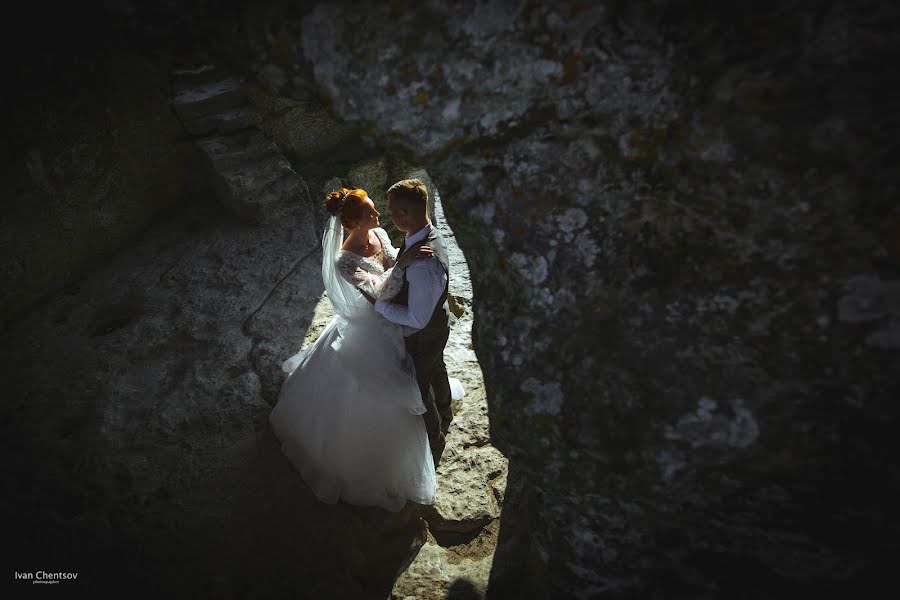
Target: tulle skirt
349, 417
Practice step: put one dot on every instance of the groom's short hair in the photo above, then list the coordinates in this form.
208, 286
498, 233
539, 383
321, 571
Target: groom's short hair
411, 194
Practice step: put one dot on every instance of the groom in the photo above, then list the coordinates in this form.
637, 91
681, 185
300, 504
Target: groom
422, 303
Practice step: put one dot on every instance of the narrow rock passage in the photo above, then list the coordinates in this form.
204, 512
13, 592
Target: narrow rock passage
464, 522
462, 525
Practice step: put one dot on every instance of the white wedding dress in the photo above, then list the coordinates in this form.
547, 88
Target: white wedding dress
349, 414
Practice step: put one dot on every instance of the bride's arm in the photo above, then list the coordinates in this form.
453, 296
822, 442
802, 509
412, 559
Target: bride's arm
348, 267
392, 280
390, 283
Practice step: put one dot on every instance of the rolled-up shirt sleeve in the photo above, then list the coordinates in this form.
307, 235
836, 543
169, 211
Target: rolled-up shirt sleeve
427, 280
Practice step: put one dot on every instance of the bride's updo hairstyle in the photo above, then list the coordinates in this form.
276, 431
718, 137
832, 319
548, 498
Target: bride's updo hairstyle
347, 205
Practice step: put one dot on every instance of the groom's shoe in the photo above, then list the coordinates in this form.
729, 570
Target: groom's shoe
437, 443
446, 419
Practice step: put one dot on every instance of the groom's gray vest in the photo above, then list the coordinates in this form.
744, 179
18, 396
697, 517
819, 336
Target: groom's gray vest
440, 317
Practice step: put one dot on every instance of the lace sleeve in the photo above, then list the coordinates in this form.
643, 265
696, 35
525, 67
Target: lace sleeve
391, 283
390, 253
348, 267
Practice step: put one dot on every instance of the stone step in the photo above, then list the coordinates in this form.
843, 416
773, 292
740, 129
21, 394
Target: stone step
282, 192
227, 121
263, 203
250, 178
195, 75
227, 152
258, 190
196, 101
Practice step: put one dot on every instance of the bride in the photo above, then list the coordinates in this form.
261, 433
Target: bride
349, 414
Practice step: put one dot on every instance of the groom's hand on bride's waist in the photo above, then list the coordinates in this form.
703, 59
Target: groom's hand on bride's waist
368, 296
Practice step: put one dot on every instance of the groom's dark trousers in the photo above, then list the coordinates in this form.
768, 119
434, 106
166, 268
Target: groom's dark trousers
426, 347
427, 351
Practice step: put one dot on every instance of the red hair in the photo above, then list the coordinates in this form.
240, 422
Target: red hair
347, 204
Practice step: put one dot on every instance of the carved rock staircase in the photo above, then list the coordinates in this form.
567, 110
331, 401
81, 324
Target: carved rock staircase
251, 177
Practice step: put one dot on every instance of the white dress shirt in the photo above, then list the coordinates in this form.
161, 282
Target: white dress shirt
427, 280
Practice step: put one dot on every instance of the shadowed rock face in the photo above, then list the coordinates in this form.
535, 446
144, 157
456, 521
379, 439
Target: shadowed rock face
683, 243
91, 150
105, 160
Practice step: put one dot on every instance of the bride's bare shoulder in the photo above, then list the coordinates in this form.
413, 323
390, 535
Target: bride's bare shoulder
383, 236
352, 247
348, 255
